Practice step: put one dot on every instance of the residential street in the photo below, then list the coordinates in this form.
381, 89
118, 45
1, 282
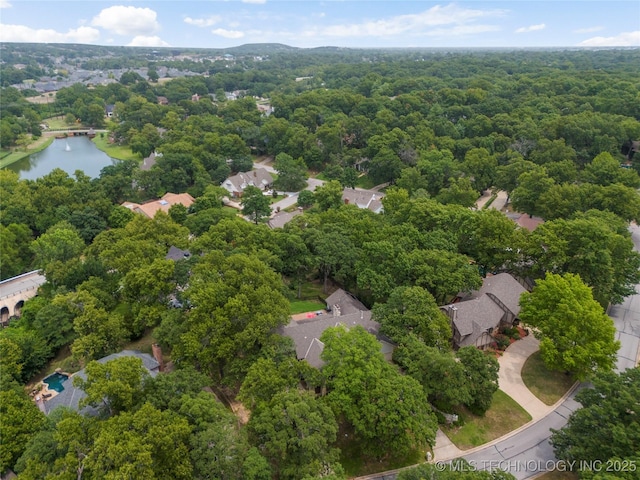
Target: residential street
526, 452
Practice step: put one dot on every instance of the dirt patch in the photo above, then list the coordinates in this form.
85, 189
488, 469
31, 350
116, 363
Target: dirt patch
240, 411
42, 99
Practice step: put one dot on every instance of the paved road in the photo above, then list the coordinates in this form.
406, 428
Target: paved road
291, 197
26, 281
527, 453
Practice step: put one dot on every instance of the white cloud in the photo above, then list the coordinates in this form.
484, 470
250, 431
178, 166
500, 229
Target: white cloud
227, 33
203, 22
4, 4
147, 41
20, 33
588, 30
127, 20
255, 1
625, 39
531, 28
419, 23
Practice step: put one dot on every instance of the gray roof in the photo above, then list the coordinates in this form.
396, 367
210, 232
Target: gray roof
280, 219
483, 309
343, 303
71, 396
306, 333
176, 254
363, 198
474, 317
504, 287
258, 178
150, 161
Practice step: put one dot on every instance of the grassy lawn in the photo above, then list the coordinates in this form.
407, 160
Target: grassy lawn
549, 386
365, 182
302, 306
308, 301
504, 416
58, 123
10, 157
119, 152
356, 462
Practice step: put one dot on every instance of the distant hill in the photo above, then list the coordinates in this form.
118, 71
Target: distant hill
260, 49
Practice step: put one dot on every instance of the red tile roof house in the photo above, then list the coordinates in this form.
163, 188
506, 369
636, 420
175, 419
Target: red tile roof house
150, 208
481, 313
236, 184
343, 309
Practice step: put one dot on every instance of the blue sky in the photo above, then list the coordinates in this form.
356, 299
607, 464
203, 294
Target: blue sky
306, 23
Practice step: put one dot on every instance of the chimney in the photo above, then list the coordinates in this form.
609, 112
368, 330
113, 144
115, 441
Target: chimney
157, 354
255, 173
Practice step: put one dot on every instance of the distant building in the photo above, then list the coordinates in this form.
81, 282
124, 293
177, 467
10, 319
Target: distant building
149, 209
108, 110
162, 100
236, 184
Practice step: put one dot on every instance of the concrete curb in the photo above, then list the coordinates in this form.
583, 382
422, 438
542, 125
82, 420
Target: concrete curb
552, 409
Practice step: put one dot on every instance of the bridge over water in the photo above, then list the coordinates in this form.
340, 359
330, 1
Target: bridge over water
17, 290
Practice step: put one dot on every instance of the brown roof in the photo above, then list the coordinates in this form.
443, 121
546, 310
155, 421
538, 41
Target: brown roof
525, 221
150, 208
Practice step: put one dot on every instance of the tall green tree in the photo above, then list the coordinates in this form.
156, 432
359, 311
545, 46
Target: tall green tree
147, 443
481, 371
591, 245
388, 411
237, 301
576, 334
413, 310
292, 173
20, 419
296, 432
609, 411
255, 205
115, 386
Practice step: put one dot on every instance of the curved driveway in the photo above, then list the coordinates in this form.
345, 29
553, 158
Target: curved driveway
526, 452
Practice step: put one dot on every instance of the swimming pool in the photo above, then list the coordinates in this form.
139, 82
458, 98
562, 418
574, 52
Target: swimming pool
55, 381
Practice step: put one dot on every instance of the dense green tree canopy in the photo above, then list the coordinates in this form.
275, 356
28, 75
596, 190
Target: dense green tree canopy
576, 334
609, 410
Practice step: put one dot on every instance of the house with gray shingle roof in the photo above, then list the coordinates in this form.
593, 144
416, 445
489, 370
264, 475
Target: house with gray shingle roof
342, 309
479, 314
363, 199
71, 396
236, 184
280, 219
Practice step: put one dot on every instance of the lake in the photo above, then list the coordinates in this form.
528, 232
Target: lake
69, 154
